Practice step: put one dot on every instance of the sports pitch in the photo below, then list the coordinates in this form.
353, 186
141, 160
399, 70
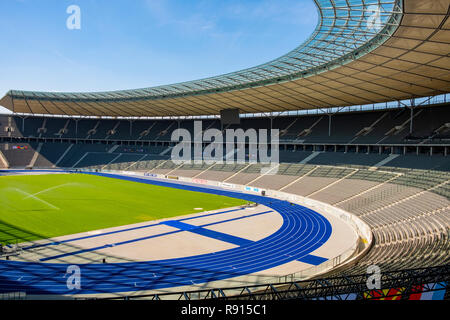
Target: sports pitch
47, 206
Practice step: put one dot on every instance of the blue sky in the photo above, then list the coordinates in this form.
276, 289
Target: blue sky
129, 44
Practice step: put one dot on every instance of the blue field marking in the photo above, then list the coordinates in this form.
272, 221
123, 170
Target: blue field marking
106, 246
74, 253
238, 218
55, 243
180, 225
311, 259
303, 231
208, 233
31, 171
212, 214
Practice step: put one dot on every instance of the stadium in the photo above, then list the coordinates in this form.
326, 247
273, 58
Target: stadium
95, 207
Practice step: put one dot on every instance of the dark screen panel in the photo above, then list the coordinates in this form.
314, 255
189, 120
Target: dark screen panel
230, 116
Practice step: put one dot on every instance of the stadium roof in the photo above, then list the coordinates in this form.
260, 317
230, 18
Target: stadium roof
362, 52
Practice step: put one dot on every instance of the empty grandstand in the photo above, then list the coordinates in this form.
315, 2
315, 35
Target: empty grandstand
364, 122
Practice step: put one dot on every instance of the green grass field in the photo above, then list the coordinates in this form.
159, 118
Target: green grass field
46, 206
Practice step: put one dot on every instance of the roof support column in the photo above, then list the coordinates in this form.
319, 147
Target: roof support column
23, 124
131, 128
329, 124
76, 127
411, 121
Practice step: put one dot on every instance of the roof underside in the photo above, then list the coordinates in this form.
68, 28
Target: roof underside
354, 57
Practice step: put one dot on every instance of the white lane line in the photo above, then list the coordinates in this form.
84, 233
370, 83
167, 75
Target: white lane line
50, 189
36, 198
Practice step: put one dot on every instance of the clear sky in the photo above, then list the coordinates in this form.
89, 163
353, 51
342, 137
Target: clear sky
130, 44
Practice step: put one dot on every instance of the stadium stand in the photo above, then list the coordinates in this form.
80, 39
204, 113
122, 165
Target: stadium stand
19, 155
354, 128
406, 208
373, 148
4, 164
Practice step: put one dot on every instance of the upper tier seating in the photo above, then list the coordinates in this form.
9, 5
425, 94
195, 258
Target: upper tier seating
369, 127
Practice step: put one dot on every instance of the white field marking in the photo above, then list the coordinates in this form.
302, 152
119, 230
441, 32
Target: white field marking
94, 233
52, 188
36, 198
198, 209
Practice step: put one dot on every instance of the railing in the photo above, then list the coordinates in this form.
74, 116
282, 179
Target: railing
13, 296
353, 287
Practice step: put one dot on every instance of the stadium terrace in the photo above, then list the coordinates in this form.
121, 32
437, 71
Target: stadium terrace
257, 143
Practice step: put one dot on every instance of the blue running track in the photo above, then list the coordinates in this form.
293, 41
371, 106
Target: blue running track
303, 231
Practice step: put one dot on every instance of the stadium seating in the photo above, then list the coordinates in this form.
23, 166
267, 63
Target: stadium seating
404, 198
406, 208
19, 155
370, 127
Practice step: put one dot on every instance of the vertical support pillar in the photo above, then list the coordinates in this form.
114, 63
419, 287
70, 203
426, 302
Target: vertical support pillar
411, 121
329, 124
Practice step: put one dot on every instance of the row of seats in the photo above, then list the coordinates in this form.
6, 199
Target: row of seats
386, 126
